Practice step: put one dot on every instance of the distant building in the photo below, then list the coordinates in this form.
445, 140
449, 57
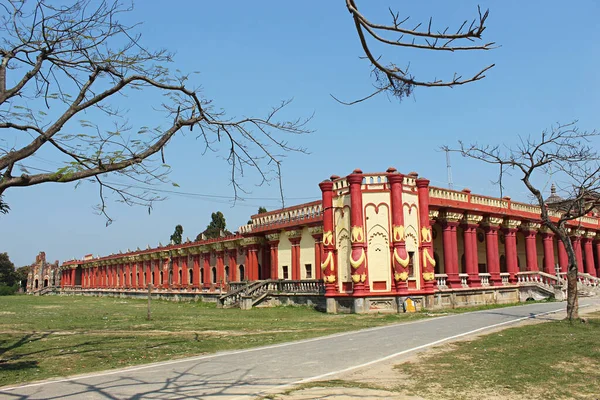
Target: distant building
42, 274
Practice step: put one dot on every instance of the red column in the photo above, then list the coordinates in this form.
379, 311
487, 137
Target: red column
295, 258
597, 248
232, 265
400, 258
253, 253
185, 278
220, 268
548, 243
563, 257
510, 247
589, 256
449, 225
492, 251
134, 274
196, 272
156, 273
576, 240
318, 255
274, 252
529, 231
328, 266
428, 262
206, 267
471, 257
358, 254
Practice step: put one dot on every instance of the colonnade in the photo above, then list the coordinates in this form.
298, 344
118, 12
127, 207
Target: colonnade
503, 250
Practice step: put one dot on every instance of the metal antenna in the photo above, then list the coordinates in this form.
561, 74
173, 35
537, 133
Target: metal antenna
449, 167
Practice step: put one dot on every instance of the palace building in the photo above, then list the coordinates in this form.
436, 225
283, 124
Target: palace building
372, 241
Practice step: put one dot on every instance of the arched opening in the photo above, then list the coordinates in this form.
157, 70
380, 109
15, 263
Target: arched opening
226, 274
438, 266
137, 278
78, 273
162, 279
45, 282
213, 275
463, 263
503, 263
36, 284
201, 275
131, 279
190, 276
241, 272
152, 278
170, 277
179, 277
260, 273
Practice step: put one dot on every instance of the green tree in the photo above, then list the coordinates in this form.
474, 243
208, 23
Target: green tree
21, 273
216, 226
7, 270
176, 236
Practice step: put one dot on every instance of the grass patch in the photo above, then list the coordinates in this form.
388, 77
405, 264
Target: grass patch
49, 336
553, 360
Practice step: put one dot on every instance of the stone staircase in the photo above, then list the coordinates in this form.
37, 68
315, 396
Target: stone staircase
250, 294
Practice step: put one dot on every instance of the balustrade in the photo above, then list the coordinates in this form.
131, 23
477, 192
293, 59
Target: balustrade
441, 280
463, 279
485, 279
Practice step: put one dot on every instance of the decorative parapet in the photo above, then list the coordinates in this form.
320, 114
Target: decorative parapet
304, 213
529, 208
447, 194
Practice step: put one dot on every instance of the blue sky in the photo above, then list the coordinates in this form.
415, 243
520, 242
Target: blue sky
251, 55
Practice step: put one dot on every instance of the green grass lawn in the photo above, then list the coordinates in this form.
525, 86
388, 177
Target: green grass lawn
554, 360
48, 336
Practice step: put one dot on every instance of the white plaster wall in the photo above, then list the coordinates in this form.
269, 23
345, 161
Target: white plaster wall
377, 224
341, 222
284, 256
307, 253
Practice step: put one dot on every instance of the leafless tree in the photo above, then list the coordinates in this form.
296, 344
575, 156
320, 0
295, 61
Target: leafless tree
566, 155
398, 81
65, 74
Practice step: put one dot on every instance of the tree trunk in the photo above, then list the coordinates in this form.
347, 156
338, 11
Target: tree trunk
572, 301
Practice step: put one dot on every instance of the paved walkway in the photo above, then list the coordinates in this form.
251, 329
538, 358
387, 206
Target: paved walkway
245, 374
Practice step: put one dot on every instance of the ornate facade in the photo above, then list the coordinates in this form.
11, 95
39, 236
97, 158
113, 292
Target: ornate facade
372, 237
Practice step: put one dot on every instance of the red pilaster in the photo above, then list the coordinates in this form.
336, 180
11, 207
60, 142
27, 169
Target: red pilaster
328, 266
358, 255
185, 278
597, 249
426, 245
548, 243
295, 258
589, 256
492, 251
529, 231
232, 254
273, 248
576, 240
318, 255
471, 258
510, 248
196, 272
220, 255
206, 266
563, 257
449, 240
400, 260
